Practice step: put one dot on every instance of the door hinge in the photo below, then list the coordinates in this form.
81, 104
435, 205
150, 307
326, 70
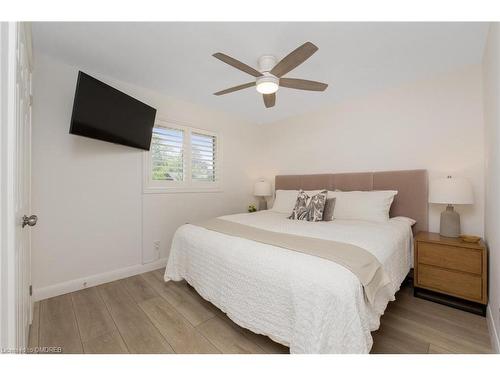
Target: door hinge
31, 100
31, 290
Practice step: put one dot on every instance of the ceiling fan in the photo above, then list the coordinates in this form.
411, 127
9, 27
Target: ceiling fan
270, 75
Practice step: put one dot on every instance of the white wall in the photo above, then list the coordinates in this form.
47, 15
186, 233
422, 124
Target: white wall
491, 94
94, 221
434, 124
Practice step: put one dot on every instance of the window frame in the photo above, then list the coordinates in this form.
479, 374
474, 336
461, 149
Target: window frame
151, 186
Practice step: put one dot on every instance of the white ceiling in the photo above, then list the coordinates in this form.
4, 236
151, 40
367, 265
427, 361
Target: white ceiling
175, 58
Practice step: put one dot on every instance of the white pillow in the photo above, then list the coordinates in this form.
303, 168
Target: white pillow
405, 219
363, 205
285, 201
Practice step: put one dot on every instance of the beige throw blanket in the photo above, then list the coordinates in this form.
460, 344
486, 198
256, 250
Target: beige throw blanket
360, 262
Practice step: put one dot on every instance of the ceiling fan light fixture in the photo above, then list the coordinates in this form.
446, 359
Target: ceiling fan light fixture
267, 85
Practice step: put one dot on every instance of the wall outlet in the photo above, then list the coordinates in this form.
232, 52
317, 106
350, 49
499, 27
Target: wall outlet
156, 245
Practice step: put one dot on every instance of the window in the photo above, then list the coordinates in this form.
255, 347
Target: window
167, 154
181, 159
203, 153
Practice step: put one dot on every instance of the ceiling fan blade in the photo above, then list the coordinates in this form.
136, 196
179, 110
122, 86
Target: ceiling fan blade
269, 100
235, 88
294, 59
237, 64
302, 84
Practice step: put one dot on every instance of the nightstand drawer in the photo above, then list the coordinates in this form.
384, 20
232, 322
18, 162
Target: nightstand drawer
451, 257
456, 283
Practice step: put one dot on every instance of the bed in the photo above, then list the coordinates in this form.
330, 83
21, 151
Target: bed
305, 302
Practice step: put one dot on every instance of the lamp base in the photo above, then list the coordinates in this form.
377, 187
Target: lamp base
262, 203
450, 223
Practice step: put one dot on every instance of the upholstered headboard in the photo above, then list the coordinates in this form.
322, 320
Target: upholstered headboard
412, 187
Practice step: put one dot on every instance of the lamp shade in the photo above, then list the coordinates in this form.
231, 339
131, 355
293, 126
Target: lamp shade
262, 188
451, 190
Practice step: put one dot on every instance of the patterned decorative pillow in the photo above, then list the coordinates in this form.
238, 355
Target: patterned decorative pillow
328, 210
309, 208
300, 209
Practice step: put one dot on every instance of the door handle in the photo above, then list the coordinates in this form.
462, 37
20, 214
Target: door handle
31, 221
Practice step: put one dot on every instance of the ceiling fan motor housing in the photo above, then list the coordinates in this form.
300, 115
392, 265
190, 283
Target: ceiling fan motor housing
266, 63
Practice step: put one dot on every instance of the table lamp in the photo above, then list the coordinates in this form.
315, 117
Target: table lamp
450, 191
262, 189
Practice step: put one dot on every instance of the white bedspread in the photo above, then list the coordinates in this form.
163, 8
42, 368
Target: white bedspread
308, 303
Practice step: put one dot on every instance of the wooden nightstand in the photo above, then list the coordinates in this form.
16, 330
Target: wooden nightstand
451, 271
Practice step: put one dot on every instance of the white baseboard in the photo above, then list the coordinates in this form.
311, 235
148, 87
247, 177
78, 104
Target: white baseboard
495, 341
93, 280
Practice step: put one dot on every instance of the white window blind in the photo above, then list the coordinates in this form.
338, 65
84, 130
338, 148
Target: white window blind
182, 159
203, 157
167, 154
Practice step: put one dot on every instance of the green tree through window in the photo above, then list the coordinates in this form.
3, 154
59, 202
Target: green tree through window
167, 148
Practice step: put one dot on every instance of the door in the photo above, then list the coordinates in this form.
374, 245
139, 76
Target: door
22, 185
15, 183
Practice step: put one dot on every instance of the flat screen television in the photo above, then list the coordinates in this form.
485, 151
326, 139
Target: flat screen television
103, 112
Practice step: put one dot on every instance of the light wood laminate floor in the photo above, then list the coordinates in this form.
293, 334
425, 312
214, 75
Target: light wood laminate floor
143, 314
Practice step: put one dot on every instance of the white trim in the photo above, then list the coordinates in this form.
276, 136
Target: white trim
495, 340
102, 278
186, 186
8, 282
178, 189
